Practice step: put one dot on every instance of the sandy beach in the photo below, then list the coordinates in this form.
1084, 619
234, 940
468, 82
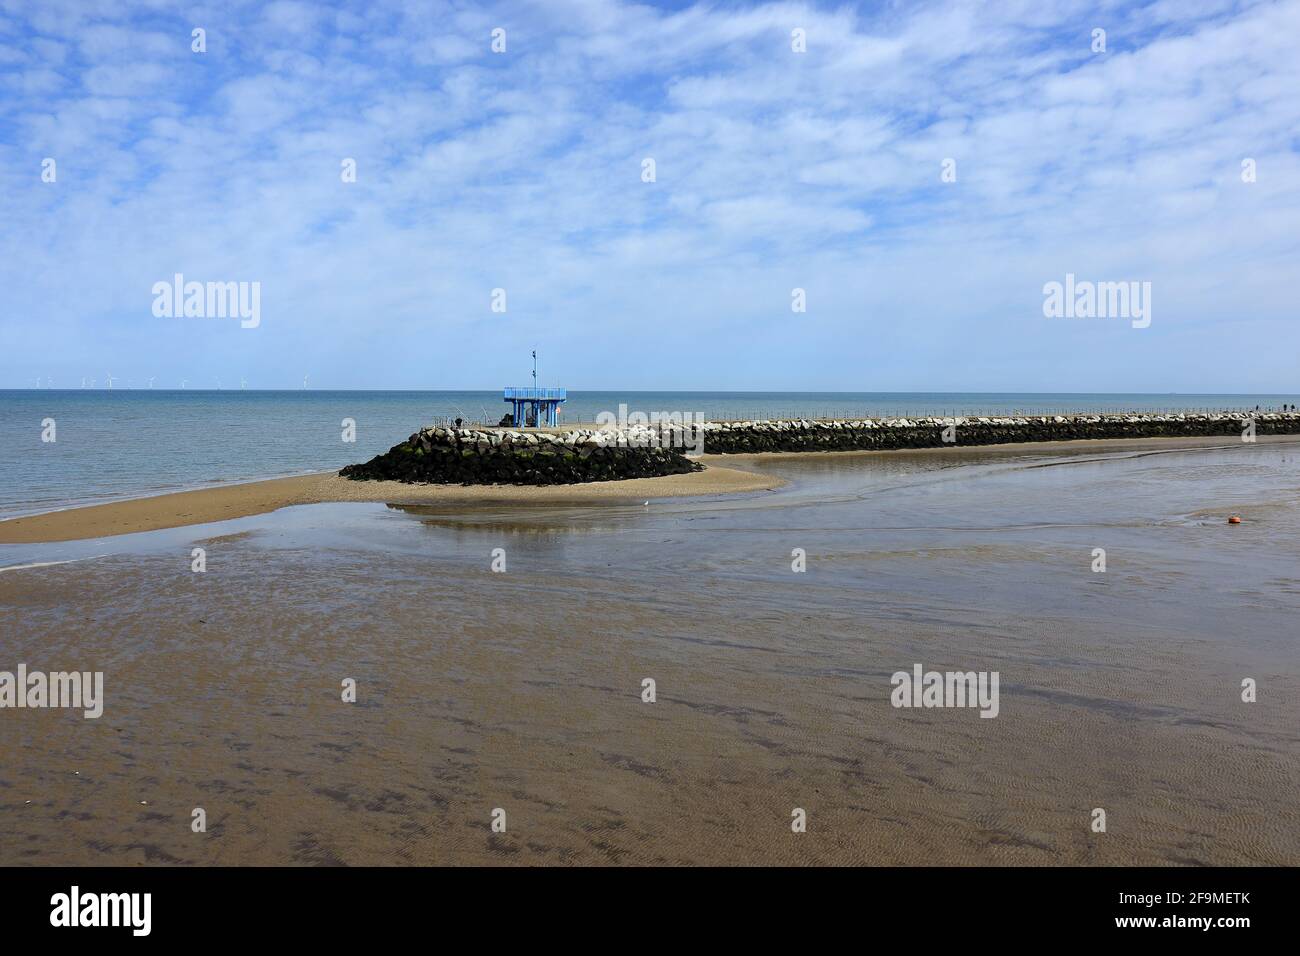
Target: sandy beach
522, 690
205, 505
723, 474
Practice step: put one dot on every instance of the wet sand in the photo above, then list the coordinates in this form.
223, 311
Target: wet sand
723, 474
522, 690
205, 505
223, 693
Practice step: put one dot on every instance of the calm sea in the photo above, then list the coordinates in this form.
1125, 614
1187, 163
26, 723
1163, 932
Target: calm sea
124, 443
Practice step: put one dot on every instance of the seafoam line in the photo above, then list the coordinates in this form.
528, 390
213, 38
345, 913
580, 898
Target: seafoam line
49, 564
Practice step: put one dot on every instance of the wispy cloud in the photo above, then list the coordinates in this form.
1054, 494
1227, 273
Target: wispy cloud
774, 170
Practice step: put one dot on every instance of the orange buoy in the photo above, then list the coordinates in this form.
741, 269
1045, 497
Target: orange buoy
1234, 519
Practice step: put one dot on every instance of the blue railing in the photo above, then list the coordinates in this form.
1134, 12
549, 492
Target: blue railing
529, 393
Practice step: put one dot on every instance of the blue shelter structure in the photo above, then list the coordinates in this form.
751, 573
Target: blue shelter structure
541, 405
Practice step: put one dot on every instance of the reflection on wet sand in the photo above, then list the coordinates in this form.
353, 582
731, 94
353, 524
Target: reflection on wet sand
522, 690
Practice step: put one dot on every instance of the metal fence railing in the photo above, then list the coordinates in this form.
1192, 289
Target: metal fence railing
528, 392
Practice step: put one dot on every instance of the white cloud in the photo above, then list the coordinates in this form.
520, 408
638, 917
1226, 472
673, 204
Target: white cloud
775, 169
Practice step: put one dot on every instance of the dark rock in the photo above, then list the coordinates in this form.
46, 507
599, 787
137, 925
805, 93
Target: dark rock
466, 456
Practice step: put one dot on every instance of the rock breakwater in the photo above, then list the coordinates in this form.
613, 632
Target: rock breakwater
495, 456
727, 438
526, 457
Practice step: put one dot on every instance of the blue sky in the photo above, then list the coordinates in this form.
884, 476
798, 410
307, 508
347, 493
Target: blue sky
775, 170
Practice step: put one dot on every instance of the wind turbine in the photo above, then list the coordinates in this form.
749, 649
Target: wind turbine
243, 383
151, 381
218, 385
183, 381
110, 381
38, 381
83, 381
304, 381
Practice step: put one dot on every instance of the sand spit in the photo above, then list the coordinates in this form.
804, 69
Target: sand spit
205, 505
